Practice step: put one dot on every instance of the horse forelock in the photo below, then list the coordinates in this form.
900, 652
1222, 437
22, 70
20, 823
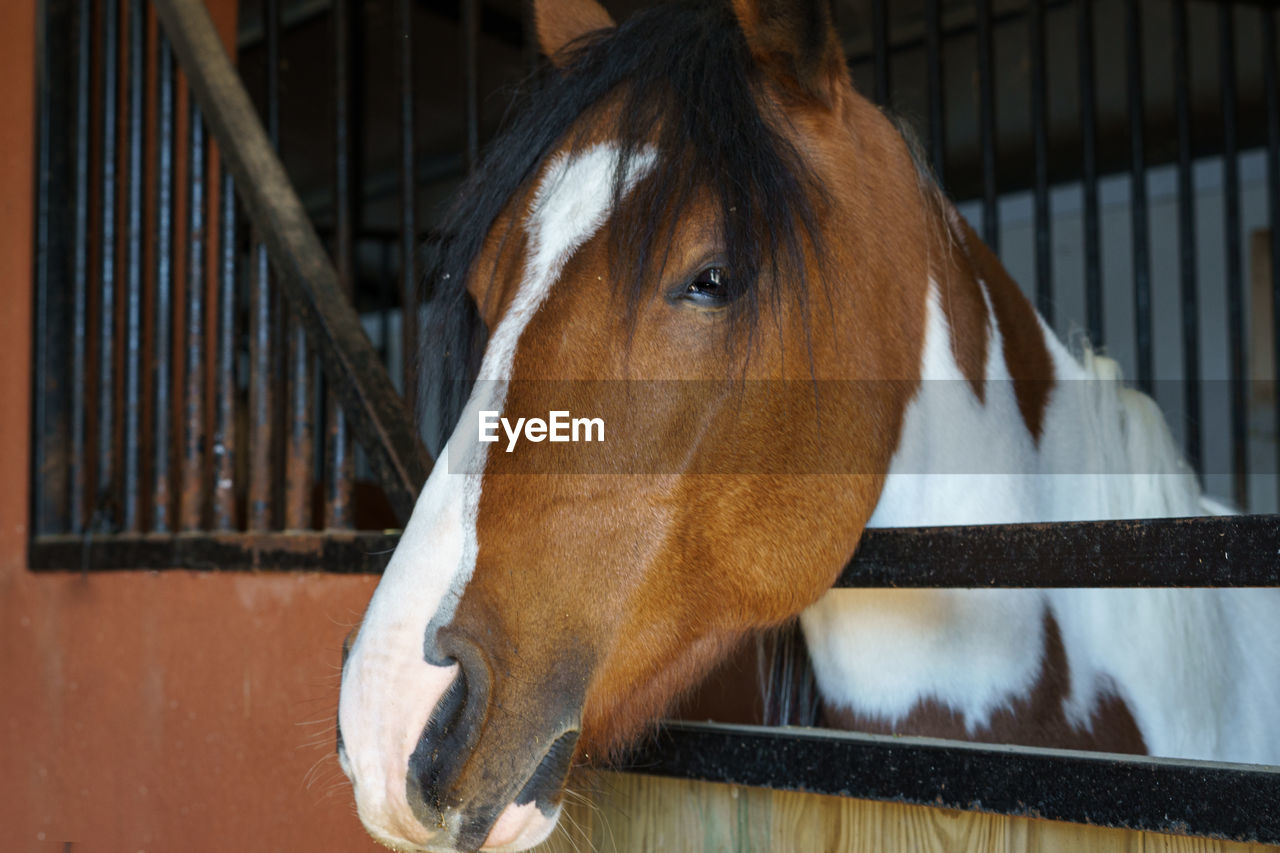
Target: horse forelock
676, 83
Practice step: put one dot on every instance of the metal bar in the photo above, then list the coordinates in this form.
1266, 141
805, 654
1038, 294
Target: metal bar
1270, 86
1187, 237
1231, 551
299, 449
910, 34
344, 552
43, 255
408, 204
471, 79
1138, 199
134, 259
162, 288
1040, 147
261, 356
224, 395
109, 77
1234, 801
80, 266
194, 486
260, 392
386, 297
1211, 551
933, 75
1236, 331
378, 416
987, 128
1089, 163
880, 50
51, 395
340, 467
300, 440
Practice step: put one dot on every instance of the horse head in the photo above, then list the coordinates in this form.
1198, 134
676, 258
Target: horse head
699, 202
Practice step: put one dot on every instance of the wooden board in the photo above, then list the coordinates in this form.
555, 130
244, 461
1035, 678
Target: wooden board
625, 812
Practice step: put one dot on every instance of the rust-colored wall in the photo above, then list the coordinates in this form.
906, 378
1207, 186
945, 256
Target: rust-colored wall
162, 711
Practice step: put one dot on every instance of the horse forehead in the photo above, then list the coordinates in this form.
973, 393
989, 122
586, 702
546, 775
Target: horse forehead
573, 200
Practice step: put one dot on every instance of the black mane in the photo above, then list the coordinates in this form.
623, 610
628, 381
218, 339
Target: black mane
685, 80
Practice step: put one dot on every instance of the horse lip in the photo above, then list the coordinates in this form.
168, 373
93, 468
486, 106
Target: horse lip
550, 772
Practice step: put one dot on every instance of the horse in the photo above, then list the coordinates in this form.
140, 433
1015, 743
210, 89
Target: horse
697, 205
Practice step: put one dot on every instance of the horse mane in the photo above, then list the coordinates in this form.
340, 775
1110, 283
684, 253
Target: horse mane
1130, 436
679, 78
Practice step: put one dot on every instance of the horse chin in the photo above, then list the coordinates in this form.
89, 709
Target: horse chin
518, 827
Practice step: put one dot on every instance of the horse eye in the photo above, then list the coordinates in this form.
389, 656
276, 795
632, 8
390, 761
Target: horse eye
709, 287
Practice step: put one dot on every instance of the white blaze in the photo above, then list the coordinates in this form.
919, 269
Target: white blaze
388, 689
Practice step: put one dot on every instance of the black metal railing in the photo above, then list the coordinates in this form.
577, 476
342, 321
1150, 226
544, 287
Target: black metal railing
164, 341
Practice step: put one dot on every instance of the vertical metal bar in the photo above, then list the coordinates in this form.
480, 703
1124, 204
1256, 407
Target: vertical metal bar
260, 396
987, 127
1235, 285
133, 261
408, 204
271, 23
1089, 163
933, 75
44, 488
386, 295
43, 255
1040, 147
299, 455
162, 294
80, 265
339, 466
224, 399
880, 50
261, 361
1138, 199
300, 441
109, 78
193, 366
1270, 85
1187, 236
471, 78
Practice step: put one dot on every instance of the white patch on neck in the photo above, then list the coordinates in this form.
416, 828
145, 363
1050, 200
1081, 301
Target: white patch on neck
1198, 669
880, 652
388, 689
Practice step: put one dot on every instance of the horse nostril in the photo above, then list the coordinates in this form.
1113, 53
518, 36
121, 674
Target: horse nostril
444, 741
447, 716
544, 786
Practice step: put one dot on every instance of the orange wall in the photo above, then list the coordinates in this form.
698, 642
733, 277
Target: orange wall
149, 711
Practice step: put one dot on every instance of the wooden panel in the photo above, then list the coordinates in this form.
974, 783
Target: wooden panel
624, 812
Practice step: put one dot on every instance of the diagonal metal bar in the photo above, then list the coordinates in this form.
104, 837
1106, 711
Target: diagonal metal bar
379, 418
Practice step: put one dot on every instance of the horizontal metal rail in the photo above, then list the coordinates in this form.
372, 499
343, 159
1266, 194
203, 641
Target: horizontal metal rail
1213, 551
379, 418
1230, 801
330, 551
1230, 551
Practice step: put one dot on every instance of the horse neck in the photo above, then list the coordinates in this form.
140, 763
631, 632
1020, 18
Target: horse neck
1008, 426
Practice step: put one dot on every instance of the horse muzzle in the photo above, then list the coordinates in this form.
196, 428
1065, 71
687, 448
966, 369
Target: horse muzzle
474, 776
